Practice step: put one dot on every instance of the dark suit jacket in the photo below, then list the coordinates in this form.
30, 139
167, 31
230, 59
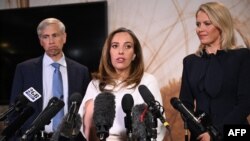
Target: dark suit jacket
220, 85
29, 74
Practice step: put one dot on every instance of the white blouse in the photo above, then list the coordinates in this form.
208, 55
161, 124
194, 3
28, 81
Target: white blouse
118, 131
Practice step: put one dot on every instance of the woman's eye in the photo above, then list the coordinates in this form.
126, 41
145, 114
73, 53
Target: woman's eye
114, 46
198, 24
208, 23
128, 46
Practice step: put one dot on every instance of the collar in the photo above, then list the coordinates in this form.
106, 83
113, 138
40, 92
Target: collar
206, 55
48, 61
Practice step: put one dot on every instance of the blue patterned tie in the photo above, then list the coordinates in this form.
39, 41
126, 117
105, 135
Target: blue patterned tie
57, 89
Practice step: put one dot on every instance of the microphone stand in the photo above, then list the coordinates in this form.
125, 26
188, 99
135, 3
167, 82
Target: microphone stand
74, 131
186, 130
128, 122
102, 133
3, 116
130, 136
152, 134
2, 138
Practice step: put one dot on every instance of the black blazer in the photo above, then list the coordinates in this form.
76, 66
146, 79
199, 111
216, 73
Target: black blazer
219, 84
29, 74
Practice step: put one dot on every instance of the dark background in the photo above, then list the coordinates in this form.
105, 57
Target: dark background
86, 28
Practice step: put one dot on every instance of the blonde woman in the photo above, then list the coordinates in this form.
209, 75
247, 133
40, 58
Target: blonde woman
217, 76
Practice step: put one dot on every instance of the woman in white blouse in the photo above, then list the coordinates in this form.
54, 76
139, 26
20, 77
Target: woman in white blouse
121, 71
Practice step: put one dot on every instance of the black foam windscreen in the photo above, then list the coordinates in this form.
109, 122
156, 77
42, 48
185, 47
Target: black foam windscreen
127, 103
138, 120
20, 102
18, 122
53, 107
67, 130
49, 113
76, 97
146, 94
104, 109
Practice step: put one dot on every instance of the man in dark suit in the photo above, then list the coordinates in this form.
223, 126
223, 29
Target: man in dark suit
38, 72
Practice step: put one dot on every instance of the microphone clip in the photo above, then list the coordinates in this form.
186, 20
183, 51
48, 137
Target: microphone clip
102, 132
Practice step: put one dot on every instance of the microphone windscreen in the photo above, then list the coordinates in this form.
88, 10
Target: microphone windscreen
104, 109
20, 102
66, 129
175, 102
138, 120
78, 125
75, 97
127, 103
18, 122
53, 107
146, 94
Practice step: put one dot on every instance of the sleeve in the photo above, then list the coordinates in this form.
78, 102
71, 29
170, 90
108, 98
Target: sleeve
87, 78
91, 93
187, 98
186, 95
17, 88
17, 85
240, 112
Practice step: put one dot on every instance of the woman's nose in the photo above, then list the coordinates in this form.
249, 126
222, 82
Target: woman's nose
121, 50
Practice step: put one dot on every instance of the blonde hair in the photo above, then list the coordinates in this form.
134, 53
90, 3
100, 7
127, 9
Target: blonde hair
222, 19
106, 73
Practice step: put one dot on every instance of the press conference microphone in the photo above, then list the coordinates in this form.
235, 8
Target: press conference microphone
127, 105
138, 126
188, 116
53, 107
75, 100
67, 130
71, 122
18, 122
154, 106
20, 103
30, 95
104, 114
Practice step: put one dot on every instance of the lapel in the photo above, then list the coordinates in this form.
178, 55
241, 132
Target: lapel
70, 78
38, 75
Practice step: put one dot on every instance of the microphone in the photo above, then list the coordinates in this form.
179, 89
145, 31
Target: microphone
154, 106
75, 100
127, 105
104, 114
138, 126
144, 124
66, 130
18, 122
71, 122
196, 127
53, 107
21, 101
